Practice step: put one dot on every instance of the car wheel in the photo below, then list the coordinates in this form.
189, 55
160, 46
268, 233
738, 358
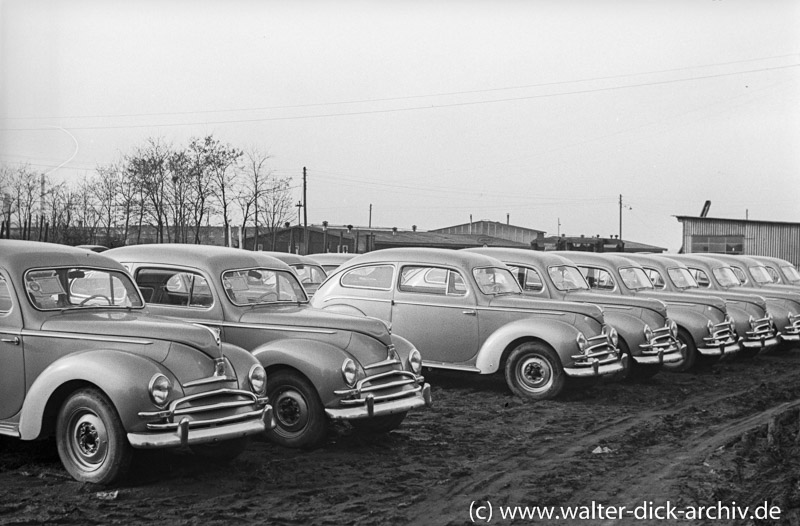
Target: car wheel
91, 441
533, 371
379, 424
299, 415
221, 452
688, 353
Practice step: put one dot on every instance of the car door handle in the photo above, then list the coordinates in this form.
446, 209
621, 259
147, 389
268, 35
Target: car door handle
15, 340
469, 312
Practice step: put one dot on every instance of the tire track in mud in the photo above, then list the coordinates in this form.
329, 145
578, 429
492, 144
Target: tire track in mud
555, 473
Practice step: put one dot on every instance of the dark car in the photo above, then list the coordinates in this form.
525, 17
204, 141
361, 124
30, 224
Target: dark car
704, 327
646, 335
749, 312
321, 365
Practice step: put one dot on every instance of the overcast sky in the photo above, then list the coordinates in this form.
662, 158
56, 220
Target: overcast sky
432, 112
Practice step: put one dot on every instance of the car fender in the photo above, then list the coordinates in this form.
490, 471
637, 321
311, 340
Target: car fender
559, 335
695, 323
629, 327
122, 376
320, 362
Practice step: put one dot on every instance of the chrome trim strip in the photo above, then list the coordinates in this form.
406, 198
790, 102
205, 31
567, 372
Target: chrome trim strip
209, 380
11, 430
454, 367
384, 363
90, 337
284, 328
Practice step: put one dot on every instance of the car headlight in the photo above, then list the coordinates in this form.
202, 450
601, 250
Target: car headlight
673, 328
258, 379
581, 340
349, 372
415, 361
613, 336
648, 333
159, 388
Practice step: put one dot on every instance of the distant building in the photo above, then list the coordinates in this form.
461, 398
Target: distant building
741, 236
353, 239
596, 244
519, 234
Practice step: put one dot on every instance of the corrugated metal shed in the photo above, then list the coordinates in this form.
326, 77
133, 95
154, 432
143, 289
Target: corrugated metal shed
494, 229
760, 238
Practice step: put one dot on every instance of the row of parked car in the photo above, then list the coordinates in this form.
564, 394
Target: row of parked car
158, 346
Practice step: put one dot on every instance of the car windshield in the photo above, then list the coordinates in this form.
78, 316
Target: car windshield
760, 274
80, 288
256, 286
635, 278
310, 274
682, 278
791, 274
568, 278
494, 280
726, 277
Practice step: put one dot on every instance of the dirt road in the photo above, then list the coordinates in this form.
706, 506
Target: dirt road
712, 438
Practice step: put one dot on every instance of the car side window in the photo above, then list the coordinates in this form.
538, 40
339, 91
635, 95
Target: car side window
432, 280
598, 278
700, 277
528, 278
174, 287
369, 277
655, 278
5, 297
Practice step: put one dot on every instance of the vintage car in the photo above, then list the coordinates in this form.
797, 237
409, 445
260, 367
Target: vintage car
310, 273
330, 261
713, 274
80, 359
754, 325
320, 364
753, 274
780, 270
646, 335
466, 312
705, 329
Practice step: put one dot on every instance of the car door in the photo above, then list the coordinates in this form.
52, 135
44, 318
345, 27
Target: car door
433, 307
179, 293
12, 357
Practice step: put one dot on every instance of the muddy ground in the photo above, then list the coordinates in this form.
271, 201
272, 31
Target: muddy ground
724, 435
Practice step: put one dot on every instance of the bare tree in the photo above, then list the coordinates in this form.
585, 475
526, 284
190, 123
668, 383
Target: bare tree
105, 188
149, 165
276, 206
221, 162
254, 178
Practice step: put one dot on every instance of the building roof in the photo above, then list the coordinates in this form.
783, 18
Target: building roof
728, 220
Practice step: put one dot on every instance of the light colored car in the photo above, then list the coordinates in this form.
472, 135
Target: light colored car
466, 312
646, 335
80, 359
704, 327
309, 272
321, 365
714, 274
780, 270
754, 325
330, 261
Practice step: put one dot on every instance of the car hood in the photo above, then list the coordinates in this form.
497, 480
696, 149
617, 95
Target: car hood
524, 302
678, 297
310, 317
616, 299
731, 296
134, 325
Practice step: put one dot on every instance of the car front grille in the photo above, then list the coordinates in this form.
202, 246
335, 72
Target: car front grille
382, 387
721, 334
206, 409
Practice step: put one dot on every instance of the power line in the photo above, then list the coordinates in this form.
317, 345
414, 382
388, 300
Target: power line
417, 108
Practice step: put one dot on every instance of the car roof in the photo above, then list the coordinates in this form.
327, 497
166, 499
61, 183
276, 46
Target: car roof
702, 260
430, 256
332, 257
740, 259
291, 258
545, 259
216, 259
607, 258
17, 255
660, 260
773, 260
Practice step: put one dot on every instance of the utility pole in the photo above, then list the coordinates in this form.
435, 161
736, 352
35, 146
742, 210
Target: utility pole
620, 216
305, 215
370, 215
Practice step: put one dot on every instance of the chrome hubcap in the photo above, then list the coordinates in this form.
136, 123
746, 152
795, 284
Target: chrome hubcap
291, 410
534, 374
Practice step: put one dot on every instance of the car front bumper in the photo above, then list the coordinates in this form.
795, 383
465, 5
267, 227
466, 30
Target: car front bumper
723, 350
183, 434
597, 369
372, 407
